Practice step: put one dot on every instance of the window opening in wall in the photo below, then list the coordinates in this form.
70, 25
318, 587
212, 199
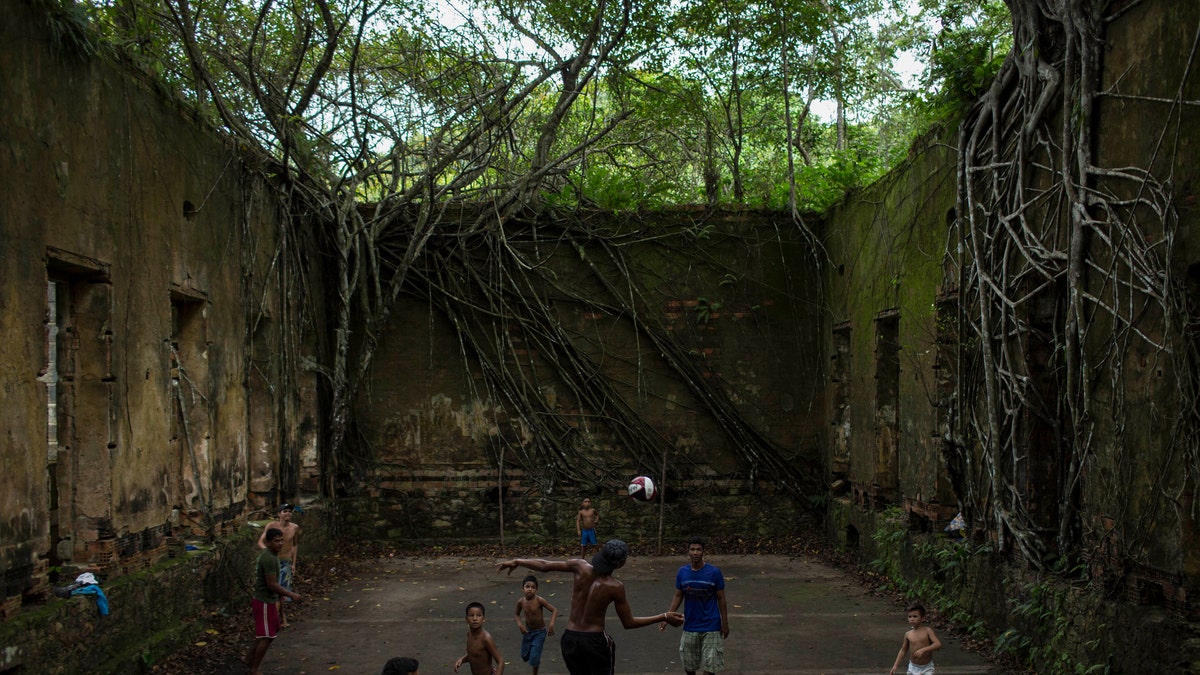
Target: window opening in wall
947, 426
887, 404
1043, 475
189, 418
839, 376
945, 363
77, 375
50, 378
187, 346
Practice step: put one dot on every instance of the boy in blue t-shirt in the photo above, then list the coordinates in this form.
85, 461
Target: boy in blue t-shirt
701, 588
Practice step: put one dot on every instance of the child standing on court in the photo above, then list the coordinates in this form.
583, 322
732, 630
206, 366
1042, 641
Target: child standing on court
919, 643
289, 555
585, 525
266, 596
532, 623
481, 648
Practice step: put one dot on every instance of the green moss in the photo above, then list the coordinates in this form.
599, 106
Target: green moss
141, 651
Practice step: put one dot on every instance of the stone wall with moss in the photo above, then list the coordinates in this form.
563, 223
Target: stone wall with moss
886, 261
737, 293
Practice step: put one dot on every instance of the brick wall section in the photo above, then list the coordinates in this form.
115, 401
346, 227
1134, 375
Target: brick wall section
462, 506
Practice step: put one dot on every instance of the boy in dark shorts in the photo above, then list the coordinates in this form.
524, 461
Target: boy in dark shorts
586, 648
532, 623
266, 596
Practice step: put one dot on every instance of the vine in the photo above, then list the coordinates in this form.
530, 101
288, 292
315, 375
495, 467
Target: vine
1064, 273
505, 296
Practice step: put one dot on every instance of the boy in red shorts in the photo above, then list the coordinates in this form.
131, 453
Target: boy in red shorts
266, 594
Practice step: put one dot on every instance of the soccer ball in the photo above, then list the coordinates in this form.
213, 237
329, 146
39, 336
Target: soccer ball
641, 489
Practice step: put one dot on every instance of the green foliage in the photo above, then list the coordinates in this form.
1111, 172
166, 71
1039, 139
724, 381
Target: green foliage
890, 536
944, 561
965, 42
1043, 636
68, 25
705, 308
702, 101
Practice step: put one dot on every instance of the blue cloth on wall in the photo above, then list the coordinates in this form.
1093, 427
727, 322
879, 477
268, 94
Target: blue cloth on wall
101, 599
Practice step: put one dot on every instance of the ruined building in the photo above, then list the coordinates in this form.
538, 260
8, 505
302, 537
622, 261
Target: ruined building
954, 345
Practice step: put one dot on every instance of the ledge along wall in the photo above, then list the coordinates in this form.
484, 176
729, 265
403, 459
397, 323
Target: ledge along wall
141, 331
893, 339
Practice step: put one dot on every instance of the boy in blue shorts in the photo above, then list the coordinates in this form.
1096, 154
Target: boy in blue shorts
585, 525
532, 623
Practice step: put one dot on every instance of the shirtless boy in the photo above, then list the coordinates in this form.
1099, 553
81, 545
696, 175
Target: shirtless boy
585, 526
532, 622
919, 642
481, 648
289, 555
586, 648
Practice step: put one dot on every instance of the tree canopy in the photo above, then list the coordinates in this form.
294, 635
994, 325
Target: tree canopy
619, 104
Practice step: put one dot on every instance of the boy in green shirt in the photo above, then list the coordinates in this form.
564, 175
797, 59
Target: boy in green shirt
266, 594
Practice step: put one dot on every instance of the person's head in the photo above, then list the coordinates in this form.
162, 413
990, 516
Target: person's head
587, 503
475, 612
695, 547
401, 665
916, 614
285, 512
610, 556
530, 585
274, 539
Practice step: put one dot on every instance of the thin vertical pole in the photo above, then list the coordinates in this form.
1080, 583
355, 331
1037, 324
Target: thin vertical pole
662, 501
500, 495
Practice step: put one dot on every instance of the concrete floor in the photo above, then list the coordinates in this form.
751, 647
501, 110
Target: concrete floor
787, 616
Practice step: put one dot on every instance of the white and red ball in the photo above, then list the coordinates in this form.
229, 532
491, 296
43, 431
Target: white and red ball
642, 489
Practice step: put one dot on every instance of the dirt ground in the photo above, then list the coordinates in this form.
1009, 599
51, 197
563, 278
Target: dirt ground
791, 615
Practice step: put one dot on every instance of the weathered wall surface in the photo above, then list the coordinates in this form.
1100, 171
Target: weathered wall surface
1144, 486
744, 307
893, 345
139, 289
886, 253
